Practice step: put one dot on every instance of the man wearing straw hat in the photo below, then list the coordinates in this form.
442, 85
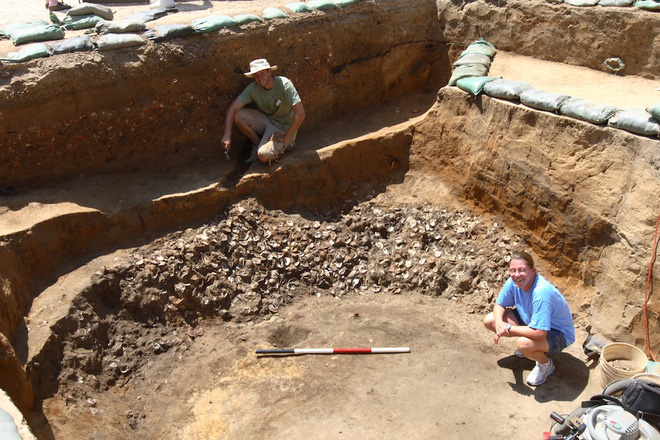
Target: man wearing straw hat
271, 126
533, 310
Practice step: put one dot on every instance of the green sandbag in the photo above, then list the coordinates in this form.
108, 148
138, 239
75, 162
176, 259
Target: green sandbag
91, 9
635, 120
322, 5
246, 18
39, 32
36, 50
542, 100
213, 23
467, 70
647, 4
298, 7
589, 111
77, 22
168, 31
118, 41
473, 58
120, 26
474, 84
273, 13
6, 30
482, 42
654, 111
505, 89
345, 2
480, 46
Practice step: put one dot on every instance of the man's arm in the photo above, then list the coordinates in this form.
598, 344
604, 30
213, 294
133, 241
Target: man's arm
500, 324
515, 330
229, 122
298, 118
527, 332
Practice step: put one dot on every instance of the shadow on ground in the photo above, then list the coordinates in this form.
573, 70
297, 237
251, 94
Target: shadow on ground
566, 384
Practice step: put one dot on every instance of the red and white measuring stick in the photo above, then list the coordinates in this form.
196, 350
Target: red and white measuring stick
333, 350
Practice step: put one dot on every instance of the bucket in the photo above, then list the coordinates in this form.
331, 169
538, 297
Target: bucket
621, 361
651, 377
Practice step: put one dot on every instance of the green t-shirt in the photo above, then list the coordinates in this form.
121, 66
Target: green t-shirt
276, 103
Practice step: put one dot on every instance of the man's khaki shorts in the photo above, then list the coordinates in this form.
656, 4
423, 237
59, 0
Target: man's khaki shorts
266, 127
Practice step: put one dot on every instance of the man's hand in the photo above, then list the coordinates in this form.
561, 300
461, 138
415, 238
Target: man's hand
278, 137
226, 142
501, 329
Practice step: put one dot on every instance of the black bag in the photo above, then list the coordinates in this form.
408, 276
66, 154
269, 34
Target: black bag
642, 397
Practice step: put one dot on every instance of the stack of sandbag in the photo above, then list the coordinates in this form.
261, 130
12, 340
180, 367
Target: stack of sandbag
118, 34
474, 61
319, 5
639, 121
83, 16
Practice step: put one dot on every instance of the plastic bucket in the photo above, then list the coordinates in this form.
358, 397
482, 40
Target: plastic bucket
621, 361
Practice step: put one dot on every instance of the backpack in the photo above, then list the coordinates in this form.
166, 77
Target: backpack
640, 397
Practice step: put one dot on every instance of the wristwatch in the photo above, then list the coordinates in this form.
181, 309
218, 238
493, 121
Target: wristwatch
508, 327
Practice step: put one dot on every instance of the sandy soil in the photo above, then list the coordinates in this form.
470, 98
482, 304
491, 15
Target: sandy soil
624, 91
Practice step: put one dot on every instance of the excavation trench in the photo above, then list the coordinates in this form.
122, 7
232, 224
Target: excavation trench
288, 261
140, 269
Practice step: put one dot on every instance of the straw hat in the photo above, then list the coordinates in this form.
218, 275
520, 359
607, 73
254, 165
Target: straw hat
258, 66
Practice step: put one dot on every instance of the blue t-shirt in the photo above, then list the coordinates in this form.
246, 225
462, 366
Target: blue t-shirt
543, 307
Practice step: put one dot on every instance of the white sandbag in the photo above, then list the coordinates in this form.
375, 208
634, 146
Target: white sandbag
542, 100
620, 3
589, 111
505, 89
635, 120
581, 2
118, 41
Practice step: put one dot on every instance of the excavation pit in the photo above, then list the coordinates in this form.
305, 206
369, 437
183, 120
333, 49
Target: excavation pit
141, 269
171, 328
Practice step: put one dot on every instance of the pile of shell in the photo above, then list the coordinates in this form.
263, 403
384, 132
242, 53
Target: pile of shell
254, 261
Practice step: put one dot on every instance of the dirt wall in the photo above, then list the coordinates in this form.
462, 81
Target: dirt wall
585, 195
582, 36
87, 113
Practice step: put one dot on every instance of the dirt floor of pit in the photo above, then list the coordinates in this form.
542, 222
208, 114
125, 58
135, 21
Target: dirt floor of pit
454, 384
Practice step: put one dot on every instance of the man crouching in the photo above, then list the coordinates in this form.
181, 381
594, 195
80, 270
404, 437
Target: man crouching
533, 310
